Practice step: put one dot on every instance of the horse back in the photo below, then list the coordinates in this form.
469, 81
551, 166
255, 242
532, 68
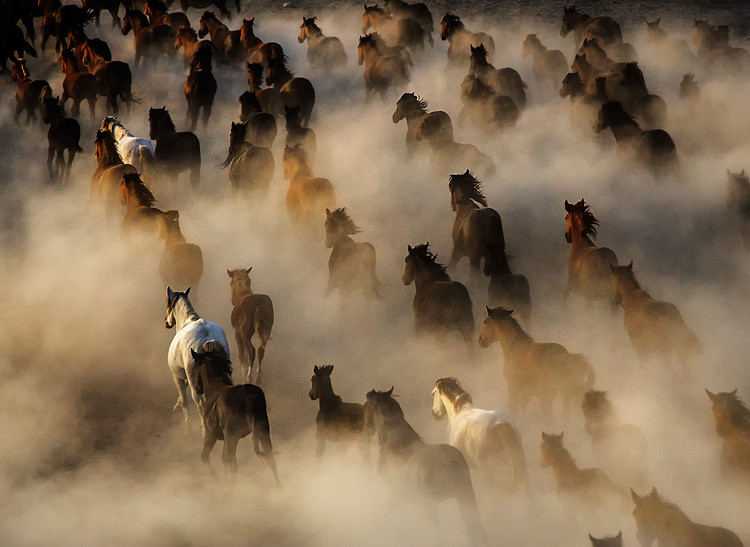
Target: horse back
703, 535
441, 472
252, 309
603, 28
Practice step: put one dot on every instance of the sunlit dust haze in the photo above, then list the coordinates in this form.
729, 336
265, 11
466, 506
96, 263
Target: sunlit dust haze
92, 453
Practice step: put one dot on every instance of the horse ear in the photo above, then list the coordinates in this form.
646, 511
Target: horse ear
249, 270
635, 497
390, 392
734, 393
409, 248
195, 355
711, 396
315, 369
619, 535
488, 310
630, 266
654, 494
611, 268
170, 293
229, 273
328, 212
568, 206
187, 291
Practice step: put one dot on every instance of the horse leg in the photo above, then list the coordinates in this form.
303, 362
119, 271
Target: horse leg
474, 262
209, 440
195, 175
92, 106
182, 386
76, 110
261, 354
321, 444
71, 156
242, 353
229, 454
17, 113
50, 157
250, 372
206, 114
467, 504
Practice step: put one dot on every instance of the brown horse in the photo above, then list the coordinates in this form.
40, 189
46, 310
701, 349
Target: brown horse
57, 20
620, 448
440, 305
175, 152
588, 265
231, 412
461, 39
297, 134
77, 85
252, 314
352, 263
714, 52
676, 50
30, 94
484, 108
63, 134
336, 421
113, 78
381, 71
293, 91
227, 41
79, 41
419, 12
203, 4
269, 98
584, 108
659, 520
609, 541
623, 82
107, 179
402, 31
536, 369
654, 326
476, 225
187, 39
506, 289
689, 89
414, 110
590, 487
12, 42
156, 11
308, 196
550, 65
323, 52
502, 81
250, 167
261, 126
181, 263
200, 88
436, 471
256, 50
148, 40
738, 197
604, 28
732, 421
140, 214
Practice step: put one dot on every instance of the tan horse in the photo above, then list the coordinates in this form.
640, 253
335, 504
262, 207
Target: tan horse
381, 71
588, 265
308, 196
461, 39
550, 65
269, 98
140, 215
654, 327
536, 369
402, 31
659, 520
323, 52
590, 487
228, 41
252, 314
250, 167
352, 263
107, 179
181, 262
732, 421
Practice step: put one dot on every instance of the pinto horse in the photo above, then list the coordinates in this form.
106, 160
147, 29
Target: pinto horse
137, 151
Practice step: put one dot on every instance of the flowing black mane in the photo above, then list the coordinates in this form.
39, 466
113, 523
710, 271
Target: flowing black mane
453, 22
189, 31
343, 222
413, 100
142, 193
106, 148
429, 260
161, 118
470, 186
738, 412
588, 220
216, 362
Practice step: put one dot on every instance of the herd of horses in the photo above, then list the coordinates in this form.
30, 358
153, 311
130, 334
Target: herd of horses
607, 90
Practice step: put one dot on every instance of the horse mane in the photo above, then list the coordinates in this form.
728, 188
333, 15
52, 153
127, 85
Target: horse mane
343, 221
633, 72
280, 62
453, 390
453, 21
739, 414
480, 51
138, 14
311, 24
190, 31
629, 273
236, 142
109, 155
469, 185
250, 99
587, 217
430, 261
142, 193
367, 39
517, 328
416, 100
163, 117
221, 366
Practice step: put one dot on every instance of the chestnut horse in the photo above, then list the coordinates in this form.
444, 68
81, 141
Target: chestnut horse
308, 196
382, 71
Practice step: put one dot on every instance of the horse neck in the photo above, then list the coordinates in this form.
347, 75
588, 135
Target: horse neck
174, 237
631, 293
119, 132
300, 169
536, 48
283, 75
482, 67
413, 113
238, 293
451, 409
563, 465
184, 313
327, 399
511, 336
423, 277
465, 207
342, 240
499, 263
579, 241
213, 386
625, 130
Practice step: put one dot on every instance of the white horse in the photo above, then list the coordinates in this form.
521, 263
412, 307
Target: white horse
192, 333
485, 437
136, 151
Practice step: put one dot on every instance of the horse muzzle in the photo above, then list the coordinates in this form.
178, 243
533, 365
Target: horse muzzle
437, 415
568, 238
300, 40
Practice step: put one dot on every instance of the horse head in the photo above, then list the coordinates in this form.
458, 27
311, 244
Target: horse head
321, 376
648, 516
496, 320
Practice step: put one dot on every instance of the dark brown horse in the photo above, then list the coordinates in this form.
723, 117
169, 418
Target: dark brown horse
200, 88
461, 39
140, 214
436, 471
63, 134
12, 44
113, 78
414, 110
252, 314
732, 422
228, 41
296, 133
485, 109
107, 179
30, 94
336, 421
293, 91
149, 40
351, 265
256, 50
157, 14
418, 11
659, 520
175, 152
79, 41
261, 126
58, 19
382, 71
269, 98
323, 52
402, 31
231, 412
502, 81
440, 305
250, 167
738, 198
187, 39
604, 28
181, 263
506, 289
77, 85
97, 6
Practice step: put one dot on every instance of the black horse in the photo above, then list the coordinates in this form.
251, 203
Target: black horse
175, 152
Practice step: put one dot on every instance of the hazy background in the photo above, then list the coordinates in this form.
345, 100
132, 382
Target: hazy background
91, 452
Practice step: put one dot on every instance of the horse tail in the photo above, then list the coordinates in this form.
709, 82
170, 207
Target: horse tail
511, 444
257, 420
264, 322
144, 156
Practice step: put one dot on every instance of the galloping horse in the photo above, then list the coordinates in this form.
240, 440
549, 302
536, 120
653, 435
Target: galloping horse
148, 40
231, 412
107, 179
732, 422
77, 85
200, 88
352, 263
227, 41
192, 332
460, 39
181, 263
486, 438
156, 10
113, 78
738, 197
174, 152
261, 126
584, 108
296, 133
140, 214
382, 71
250, 167
269, 98
187, 39
550, 65
419, 12
414, 110
603, 28
136, 151
476, 225
256, 50
403, 31
437, 471
502, 81
323, 52
440, 305
653, 326
588, 265
535, 369
336, 421
659, 520
506, 289
485, 109
293, 91
63, 134
308, 196
252, 314
30, 94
